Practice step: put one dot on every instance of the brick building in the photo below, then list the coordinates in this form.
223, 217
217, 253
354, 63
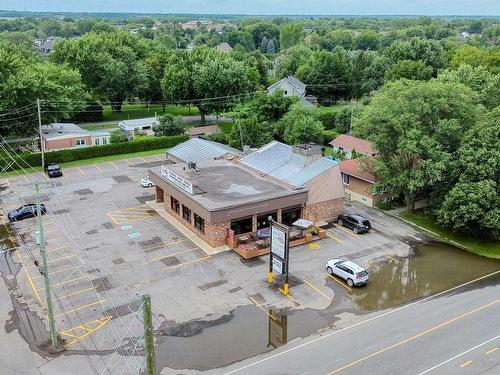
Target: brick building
220, 199
59, 136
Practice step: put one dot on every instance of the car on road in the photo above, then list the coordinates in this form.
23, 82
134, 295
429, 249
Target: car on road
349, 271
25, 211
357, 223
53, 170
146, 182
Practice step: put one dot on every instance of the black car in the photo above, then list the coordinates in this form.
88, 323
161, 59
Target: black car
26, 211
357, 223
53, 170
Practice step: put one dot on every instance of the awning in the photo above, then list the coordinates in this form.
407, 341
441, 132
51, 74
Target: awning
303, 223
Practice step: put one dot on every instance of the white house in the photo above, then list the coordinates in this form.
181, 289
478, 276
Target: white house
290, 85
142, 125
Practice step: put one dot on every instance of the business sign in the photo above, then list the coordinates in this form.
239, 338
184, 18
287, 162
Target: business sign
278, 241
279, 266
177, 180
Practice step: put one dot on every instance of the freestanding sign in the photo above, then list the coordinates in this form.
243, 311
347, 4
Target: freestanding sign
279, 254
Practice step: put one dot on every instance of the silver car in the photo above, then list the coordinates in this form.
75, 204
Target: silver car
146, 182
352, 273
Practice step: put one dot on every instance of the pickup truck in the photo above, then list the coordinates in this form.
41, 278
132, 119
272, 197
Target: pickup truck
53, 170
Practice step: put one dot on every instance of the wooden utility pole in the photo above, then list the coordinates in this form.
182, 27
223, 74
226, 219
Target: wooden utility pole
42, 144
148, 335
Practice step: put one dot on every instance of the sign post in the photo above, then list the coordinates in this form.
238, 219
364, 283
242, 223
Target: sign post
279, 254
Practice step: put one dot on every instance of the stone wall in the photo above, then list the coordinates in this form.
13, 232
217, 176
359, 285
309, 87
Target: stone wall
215, 234
324, 210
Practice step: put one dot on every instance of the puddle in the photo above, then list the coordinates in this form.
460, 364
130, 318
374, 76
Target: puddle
248, 331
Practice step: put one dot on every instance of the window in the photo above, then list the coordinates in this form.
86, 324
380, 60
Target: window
105, 141
96, 141
199, 223
290, 215
345, 179
263, 222
186, 213
80, 142
241, 226
286, 92
174, 204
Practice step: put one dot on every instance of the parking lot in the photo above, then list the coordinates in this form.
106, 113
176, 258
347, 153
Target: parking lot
106, 247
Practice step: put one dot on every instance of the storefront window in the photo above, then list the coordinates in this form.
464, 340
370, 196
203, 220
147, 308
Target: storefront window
174, 205
290, 215
186, 213
199, 223
241, 226
263, 221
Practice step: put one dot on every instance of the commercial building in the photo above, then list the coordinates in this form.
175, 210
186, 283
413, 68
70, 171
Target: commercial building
59, 136
228, 201
196, 149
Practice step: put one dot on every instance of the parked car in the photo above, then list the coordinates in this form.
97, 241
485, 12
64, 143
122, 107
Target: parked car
352, 273
53, 170
146, 182
356, 222
25, 211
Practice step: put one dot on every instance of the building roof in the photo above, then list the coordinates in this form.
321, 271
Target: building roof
60, 130
200, 130
224, 47
137, 123
196, 149
221, 184
290, 164
291, 80
99, 133
354, 168
348, 142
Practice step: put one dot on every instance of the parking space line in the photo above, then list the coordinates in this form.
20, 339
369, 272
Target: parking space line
260, 307
84, 327
491, 350
317, 290
182, 264
465, 364
144, 160
113, 164
157, 158
339, 282
26, 178
333, 237
76, 293
58, 271
347, 231
164, 245
79, 308
391, 258
128, 162
80, 170
66, 282
99, 169
370, 263
174, 254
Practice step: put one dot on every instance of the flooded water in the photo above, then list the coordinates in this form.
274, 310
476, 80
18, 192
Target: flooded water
247, 331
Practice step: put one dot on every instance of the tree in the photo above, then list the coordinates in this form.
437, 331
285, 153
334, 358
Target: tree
338, 38
266, 108
300, 125
270, 47
263, 45
250, 131
290, 60
416, 126
367, 40
409, 69
290, 35
430, 52
168, 125
118, 136
263, 29
475, 56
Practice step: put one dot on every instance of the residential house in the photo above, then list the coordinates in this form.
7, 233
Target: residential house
140, 125
224, 47
58, 136
290, 85
359, 180
348, 145
46, 46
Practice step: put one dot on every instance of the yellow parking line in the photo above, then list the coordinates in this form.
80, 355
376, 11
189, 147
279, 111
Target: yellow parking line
370, 263
164, 245
32, 284
289, 296
317, 290
58, 271
465, 364
76, 293
101, 322
491, 350
66, 282
99, 169
80, 170
174, 254
333, 237
260, 307
347, 231
26, 178
339, 282
128, 162
391, 258
182, 264
113, 164
80, 308
144, 160
157, 158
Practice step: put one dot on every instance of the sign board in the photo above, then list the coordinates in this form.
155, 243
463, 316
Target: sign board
278, 266
278, 241
177, 180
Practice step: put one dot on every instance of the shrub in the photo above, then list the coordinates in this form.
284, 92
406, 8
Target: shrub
329, 135
118, 136
217, 137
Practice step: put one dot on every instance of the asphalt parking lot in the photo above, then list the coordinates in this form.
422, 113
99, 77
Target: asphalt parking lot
104, 243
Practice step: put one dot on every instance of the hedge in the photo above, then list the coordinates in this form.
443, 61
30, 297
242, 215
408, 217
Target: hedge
64, 156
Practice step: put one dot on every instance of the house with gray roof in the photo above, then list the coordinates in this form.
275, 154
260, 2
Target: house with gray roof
290, 85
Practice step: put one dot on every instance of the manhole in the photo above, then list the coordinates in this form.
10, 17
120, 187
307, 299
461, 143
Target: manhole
118, 261
101, 284
83, 192
170, 261
107, 225
122, 178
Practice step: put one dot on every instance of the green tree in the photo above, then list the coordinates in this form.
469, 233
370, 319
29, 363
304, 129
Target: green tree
264, 29
426, 50
409, 69
168, 125
118, 136
250, 131
290, 60
338, 38
300, 125
475, 56
266, 108
290, 35
416, 126
367, 40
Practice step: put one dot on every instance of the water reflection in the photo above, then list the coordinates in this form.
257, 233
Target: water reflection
277, 329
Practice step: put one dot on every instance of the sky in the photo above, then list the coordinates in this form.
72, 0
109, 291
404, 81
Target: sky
295, 7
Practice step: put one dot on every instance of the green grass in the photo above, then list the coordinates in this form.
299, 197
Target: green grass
226, 126
480, 246
88, 161
134, 111
332, 108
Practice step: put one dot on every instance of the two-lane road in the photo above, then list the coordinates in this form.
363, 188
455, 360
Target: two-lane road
454, 332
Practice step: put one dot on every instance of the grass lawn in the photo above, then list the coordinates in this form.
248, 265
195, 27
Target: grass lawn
133, 111
484, 247
90, 161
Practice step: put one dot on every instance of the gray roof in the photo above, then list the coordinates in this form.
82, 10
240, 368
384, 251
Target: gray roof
279, 160
62, 130
196, 149
137, 123
292, 81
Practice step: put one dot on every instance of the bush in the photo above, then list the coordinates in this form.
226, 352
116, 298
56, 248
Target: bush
384, 205
65, 156
217, 137
339, 120
118, 136
329, 135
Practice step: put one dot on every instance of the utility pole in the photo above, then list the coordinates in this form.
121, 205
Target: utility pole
52, 325
148, 335
42, 145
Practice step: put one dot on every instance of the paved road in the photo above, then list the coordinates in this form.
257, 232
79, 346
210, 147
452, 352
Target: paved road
455, 332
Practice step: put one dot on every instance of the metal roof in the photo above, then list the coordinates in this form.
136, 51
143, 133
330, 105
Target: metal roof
196, 149
136, 123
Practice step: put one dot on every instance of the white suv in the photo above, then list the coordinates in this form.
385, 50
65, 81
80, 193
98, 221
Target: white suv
347, 270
